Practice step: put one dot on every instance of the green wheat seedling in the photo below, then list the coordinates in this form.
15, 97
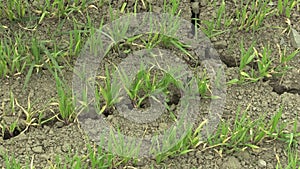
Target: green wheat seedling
146, 83
220, 15
182, 147
75, 42
11, 128
152, 40
133, 89
158, 34
247, 133
61, 9
172, 7
99, 158
33, 117
186, 144
286, 6
68, 161
14, 9
275, 127
179, 45
293, 159
292, 146
12, 56
247, 56
208, 27
263, 60
11, 162
203, 85
284, 58
52, 60
95, 155
264, 63
213, 27
252, 19
119, 144
29, 113
16, 57
120, 29
36, 60
65, 100
110, 92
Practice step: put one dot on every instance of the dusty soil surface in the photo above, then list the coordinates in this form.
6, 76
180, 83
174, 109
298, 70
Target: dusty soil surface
43, 143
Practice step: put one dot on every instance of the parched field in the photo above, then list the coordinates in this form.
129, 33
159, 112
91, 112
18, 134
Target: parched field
246, 73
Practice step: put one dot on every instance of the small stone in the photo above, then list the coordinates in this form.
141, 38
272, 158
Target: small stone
232, 163
38, 149
44, 156
51, 131
214, 39
59, 124
262, 163
243, 155
195, 7
220, 44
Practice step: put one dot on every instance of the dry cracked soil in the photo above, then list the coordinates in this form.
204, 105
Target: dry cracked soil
44, 142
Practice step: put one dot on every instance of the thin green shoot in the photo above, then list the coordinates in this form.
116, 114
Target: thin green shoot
110, 92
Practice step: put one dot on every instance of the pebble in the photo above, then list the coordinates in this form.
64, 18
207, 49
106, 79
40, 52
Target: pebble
51, 131
44, 156
38, 149
195, 7
262, 163
59, 124
220, 44
232, 162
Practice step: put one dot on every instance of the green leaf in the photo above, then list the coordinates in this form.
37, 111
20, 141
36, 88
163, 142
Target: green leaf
233, 81
244, 74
